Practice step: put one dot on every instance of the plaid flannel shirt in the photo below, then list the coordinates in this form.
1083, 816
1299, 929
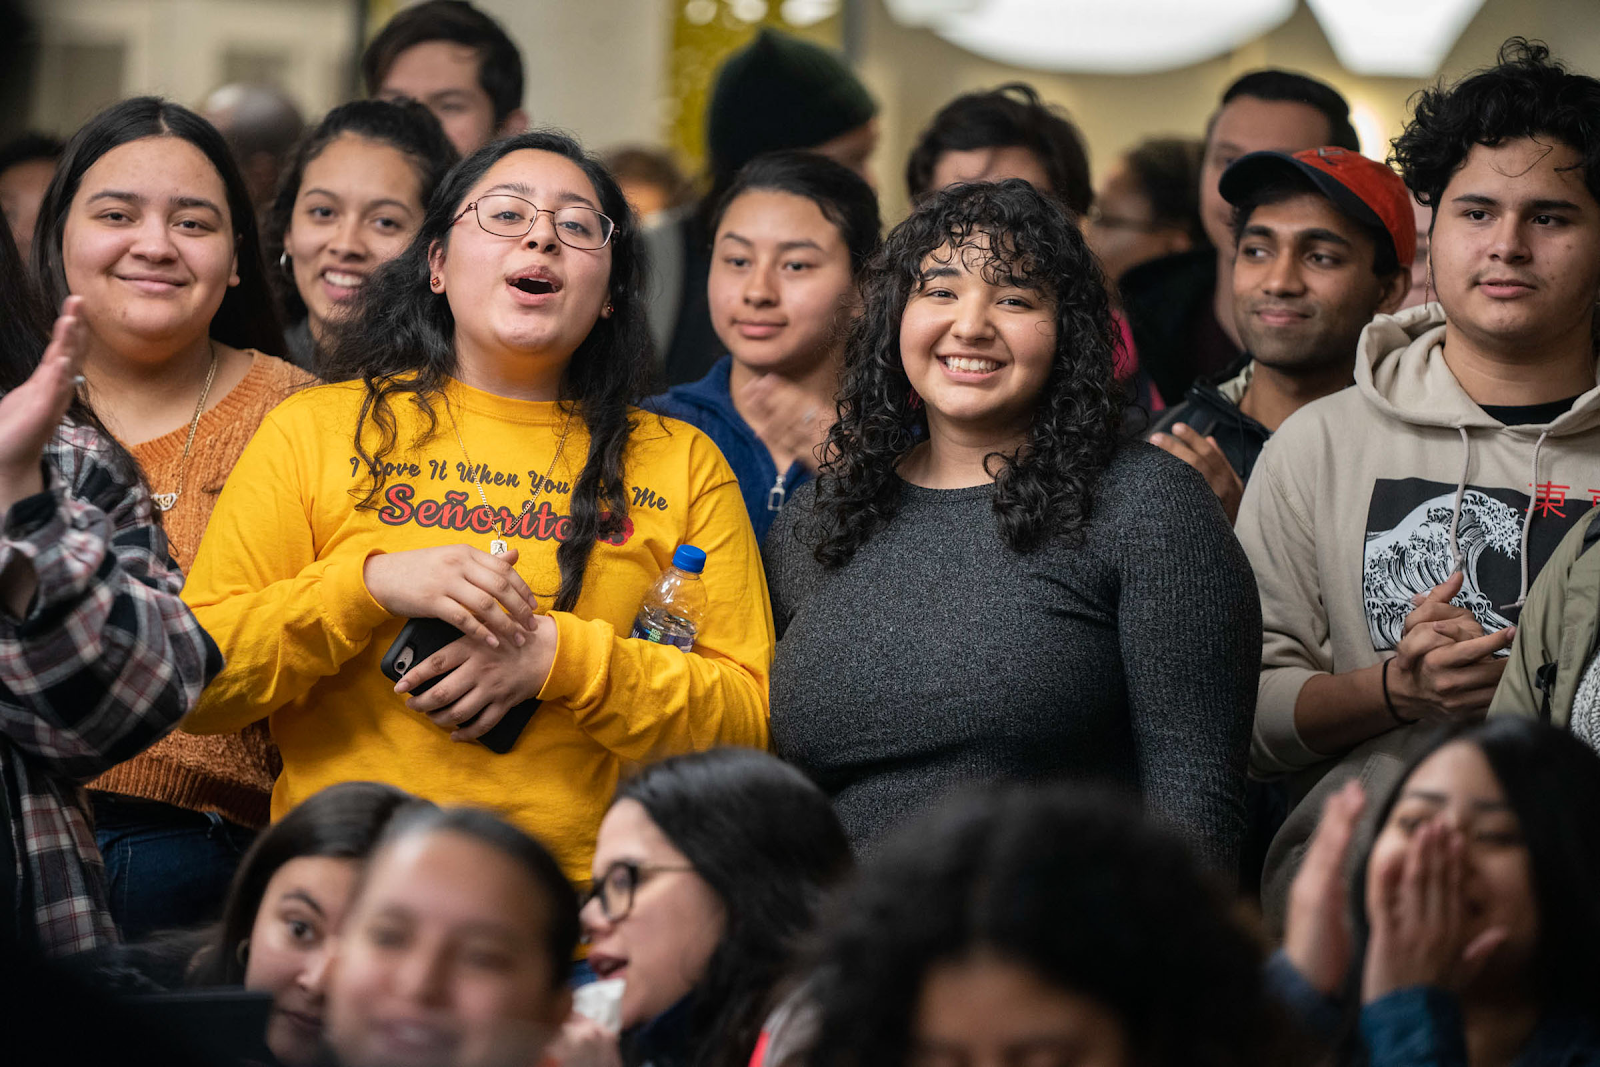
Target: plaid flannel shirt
105, 662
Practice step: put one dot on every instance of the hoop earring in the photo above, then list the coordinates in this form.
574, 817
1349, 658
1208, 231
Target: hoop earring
283, 261
242, 953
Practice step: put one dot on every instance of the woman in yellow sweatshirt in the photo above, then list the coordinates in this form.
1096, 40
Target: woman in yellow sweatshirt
486, 469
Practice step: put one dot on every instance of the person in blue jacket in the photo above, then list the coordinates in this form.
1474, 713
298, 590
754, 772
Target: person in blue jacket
1475, 939
792, 236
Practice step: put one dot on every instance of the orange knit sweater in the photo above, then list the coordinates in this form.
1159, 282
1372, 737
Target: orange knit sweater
231, 774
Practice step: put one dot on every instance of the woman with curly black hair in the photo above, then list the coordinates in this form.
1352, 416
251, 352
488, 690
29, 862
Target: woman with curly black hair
1046, 927
485, 468
982, 583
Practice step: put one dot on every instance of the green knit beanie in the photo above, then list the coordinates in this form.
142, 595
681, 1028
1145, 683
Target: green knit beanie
780, 92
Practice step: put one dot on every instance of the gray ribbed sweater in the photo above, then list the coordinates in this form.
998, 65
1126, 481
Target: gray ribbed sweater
937, 656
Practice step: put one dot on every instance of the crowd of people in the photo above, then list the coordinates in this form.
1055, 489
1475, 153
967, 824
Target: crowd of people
1127, 638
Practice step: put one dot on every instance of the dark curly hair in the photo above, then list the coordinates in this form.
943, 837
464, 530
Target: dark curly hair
1527, 94
403, 125
1011, 116
1071, 885
401, 343
1047, 490
767, 842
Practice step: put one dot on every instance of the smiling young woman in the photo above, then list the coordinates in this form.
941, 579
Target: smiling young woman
982, 582
350, 201
485, 467
149, 221
793, 236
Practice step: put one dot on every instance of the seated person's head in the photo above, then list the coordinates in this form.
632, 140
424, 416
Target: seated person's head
1043, 926
27, 164
650, 180
455, 60
1325, 240
1509, 160
790, 242
707, 869
455, 950
1148, 206
1267, 111
287, 900
352, 198
780, 92
1003, 133
1513, 799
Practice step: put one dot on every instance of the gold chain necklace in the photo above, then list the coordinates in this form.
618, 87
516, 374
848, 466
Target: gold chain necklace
498, 546
165, 501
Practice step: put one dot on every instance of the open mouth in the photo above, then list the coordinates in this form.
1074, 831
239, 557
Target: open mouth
606, 966
969, 364
536, 286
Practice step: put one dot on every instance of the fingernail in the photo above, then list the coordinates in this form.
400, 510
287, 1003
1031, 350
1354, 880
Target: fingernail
1157, 437
522, 639
492, 641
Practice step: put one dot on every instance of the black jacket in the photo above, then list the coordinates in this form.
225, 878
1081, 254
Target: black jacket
1210, 414
1170, 310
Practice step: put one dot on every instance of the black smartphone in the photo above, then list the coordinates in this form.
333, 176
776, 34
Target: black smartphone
421, 638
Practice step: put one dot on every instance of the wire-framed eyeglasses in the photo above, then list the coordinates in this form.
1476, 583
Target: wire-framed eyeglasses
616, 887
576, 226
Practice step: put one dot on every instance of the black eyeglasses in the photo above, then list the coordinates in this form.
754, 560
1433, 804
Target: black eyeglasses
576, 226
616, 887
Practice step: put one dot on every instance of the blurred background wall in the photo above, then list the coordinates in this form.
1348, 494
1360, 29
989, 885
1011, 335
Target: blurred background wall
618, 71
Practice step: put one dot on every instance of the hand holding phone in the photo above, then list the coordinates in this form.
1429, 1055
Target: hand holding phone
421, 638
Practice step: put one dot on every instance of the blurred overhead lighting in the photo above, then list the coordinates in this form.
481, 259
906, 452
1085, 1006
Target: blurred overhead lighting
1394, 37
1410, 38
1121, 37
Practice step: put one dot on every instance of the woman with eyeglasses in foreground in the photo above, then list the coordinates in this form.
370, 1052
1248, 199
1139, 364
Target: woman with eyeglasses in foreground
488, 470
709, 868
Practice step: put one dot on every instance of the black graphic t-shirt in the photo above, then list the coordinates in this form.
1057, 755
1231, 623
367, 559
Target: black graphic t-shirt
1408, 549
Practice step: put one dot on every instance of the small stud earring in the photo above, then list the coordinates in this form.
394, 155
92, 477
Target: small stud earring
433, 283
609, 309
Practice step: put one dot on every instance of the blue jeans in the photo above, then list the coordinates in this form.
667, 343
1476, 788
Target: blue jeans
166, 867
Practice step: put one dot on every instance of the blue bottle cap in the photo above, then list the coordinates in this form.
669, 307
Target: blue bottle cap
689, 558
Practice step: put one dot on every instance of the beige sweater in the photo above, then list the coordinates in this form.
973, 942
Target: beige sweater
231, 774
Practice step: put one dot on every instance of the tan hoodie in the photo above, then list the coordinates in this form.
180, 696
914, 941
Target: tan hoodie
1362, 500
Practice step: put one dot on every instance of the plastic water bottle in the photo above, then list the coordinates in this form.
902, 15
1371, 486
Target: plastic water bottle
672, 610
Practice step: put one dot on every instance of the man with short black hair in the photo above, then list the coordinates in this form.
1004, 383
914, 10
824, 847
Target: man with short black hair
455, 60
1394, 528
1002, 133
1324, 243
1180, 308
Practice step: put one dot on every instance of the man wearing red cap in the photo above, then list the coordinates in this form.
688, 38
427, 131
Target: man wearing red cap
1324, 242
1395, 528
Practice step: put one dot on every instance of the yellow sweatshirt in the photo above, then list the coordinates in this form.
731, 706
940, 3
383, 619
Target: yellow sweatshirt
278, 584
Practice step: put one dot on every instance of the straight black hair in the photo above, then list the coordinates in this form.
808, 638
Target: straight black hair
456, 21
1552, 783
1012, 115
1287, 86
561, 901
841, 194
405, 125
402, 344
343, 821
248, 316
767, 842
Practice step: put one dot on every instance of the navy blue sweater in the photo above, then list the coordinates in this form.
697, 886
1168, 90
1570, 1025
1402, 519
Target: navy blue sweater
708, 406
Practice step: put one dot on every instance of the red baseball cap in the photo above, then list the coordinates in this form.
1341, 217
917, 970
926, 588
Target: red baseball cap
1362, 188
